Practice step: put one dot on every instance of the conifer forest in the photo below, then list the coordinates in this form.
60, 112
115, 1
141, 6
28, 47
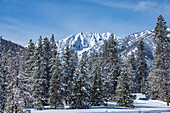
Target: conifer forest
39, 75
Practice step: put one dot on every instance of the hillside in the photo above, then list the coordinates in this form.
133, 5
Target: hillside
93, 42
8, 44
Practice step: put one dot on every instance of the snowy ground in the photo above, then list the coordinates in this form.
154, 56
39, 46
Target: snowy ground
142, 105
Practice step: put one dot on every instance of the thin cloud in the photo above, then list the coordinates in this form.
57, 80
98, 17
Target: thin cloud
112, 3
11, 27
144, 5
12, 21
141, 6
166, 9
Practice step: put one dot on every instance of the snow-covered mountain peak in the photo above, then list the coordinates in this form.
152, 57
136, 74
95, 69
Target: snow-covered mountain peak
84, 41
91, 42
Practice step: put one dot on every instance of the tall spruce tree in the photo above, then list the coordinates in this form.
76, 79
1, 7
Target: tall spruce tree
97, 92
142, 70
123, 94
159, 77
29, 58
39, 77
17, 85
9, 106
53, 47
67, 76
81, 86
73, 60
111, 66
132, 72
91, 65
3, 80
55, 93
46, 47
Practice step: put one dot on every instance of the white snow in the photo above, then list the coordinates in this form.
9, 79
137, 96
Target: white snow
141, 106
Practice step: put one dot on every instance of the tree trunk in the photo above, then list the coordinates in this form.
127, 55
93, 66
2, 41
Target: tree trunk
166, 93
16, 109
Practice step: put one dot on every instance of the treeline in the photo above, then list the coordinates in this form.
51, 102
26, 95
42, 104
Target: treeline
42, 76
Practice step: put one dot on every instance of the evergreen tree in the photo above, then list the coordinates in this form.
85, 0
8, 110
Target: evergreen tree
55, 96
131, 70
29, 58
80, 94
9, 77
46, 47
53, 47
124, 97
158, 79
111, 66
73, 60
91, 65
3, 73
142, 70
39, 77
29, 66
97, 92
17, 85
67, 76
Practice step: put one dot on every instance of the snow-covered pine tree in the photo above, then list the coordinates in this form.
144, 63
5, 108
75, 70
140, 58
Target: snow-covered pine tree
97, 92
53, 51
91, 65
18, 89
29, 58
46, 47
80, 91
55, 93
53, 47
67, 76
3, 73
29, 67
9, 106
142, 70
123, 95
111, 66
159, 77
24, 82
40, 81
73, 60
131, 70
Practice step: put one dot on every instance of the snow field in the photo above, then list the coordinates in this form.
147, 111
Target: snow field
141, 106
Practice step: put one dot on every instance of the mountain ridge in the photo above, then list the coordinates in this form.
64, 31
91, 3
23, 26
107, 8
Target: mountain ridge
9, 44
91, 42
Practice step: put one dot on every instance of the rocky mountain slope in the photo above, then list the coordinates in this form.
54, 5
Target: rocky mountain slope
84, 42
8, 44
93, 42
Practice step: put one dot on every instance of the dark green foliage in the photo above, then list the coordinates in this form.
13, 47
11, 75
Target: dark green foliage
81, 86
18, 84
97, 92
46, 47
68, 66
124, 97
3, 80
132, 73
55, 95
29, 58
142, 70
40, 81
110, 66
158, 79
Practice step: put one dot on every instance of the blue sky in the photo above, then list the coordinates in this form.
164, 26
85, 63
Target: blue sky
21, 20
